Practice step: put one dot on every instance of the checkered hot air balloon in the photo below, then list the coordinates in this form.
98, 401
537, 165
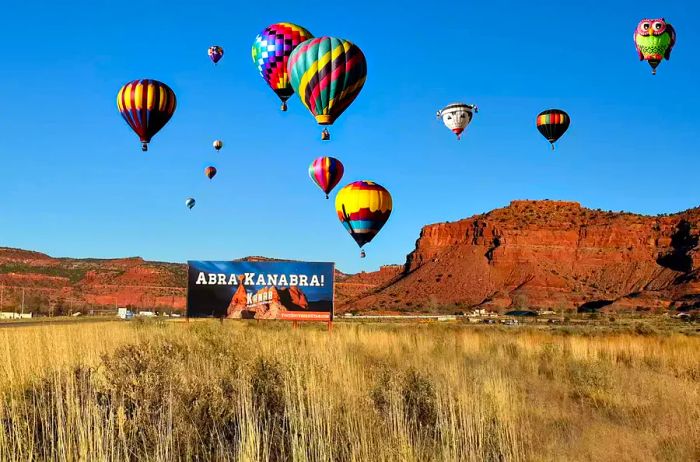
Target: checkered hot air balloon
215, 53
146, 105
363, 208
326, 172
271, 51
327, 73
552, 124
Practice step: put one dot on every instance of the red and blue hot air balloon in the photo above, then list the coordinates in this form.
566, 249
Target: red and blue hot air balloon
326, 172
146, 105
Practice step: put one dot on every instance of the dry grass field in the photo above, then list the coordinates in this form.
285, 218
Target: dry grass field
245, 391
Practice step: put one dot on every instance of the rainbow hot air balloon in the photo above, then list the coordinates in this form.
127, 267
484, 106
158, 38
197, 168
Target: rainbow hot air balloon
363, 207
552, 124
457, 116
271, 51
146, 105
215, 53
326, 172
218, 144
210, 172
327, 73
190, 203
654, 39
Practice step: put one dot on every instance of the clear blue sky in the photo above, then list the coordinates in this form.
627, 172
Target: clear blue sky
76, 184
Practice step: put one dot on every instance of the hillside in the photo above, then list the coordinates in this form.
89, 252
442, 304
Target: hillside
548, 254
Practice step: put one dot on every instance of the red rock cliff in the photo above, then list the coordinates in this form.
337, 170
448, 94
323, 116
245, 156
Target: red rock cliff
548, 254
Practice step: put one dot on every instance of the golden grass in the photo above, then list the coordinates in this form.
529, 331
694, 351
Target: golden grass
367, 392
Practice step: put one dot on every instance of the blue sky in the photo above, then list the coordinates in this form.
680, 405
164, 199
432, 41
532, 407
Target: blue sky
76, 183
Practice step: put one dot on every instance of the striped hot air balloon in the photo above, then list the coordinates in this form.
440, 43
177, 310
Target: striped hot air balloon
326, 172
363, 207
218, 144
553, 123
271, 51
190, 202
327, 73
210, 172
146, 105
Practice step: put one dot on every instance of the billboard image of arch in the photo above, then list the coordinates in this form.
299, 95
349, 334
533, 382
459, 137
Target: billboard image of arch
286, 290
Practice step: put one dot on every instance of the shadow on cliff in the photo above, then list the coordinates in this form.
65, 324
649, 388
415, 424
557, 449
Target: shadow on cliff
682, 242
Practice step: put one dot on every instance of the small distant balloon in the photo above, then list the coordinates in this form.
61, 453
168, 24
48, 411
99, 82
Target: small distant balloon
215, 53
552, 124
218, 144
210, 172
457, 116
326, 172
190, 203
654, 39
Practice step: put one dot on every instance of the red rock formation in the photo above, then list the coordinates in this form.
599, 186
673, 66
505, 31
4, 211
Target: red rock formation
548, 254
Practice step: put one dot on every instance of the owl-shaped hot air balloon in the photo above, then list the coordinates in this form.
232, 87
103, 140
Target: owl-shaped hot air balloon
327, 73
326, 172
271, 51
215, 53
552, 124
146, 105
457, 116
654, 39
363, 207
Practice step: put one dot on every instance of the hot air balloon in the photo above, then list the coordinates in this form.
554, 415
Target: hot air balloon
654, 39
271, 51
553, 123
457, 116
218, 144
190, 203
146, 105
327, 73
215, 53
326, 172
210, 172
363, 207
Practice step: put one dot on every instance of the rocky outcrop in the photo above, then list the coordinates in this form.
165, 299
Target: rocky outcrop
548, 254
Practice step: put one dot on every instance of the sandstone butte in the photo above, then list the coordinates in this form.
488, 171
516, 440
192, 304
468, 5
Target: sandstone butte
531, 254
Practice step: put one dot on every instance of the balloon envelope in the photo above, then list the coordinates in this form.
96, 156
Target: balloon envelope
326, 172
457, 116
215, 53
146, 105
190, 203
210, 172
218, 144
654, 40
271, 51
327, 73
363, 207
552, 124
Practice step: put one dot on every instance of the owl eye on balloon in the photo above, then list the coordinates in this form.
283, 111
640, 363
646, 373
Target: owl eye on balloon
654, 40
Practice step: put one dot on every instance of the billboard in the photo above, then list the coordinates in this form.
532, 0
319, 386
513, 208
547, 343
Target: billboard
287, 290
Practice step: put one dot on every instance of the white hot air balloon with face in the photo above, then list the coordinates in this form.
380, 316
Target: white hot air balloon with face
457, 116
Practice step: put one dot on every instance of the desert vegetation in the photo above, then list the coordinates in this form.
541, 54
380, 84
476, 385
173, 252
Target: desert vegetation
249, 391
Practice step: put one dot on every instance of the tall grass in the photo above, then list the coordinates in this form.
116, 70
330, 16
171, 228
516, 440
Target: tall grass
247, 392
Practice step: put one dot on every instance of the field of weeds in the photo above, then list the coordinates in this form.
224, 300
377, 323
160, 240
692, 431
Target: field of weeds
249, 391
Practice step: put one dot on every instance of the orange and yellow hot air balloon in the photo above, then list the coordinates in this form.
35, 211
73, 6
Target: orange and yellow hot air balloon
363, 208
146, 105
